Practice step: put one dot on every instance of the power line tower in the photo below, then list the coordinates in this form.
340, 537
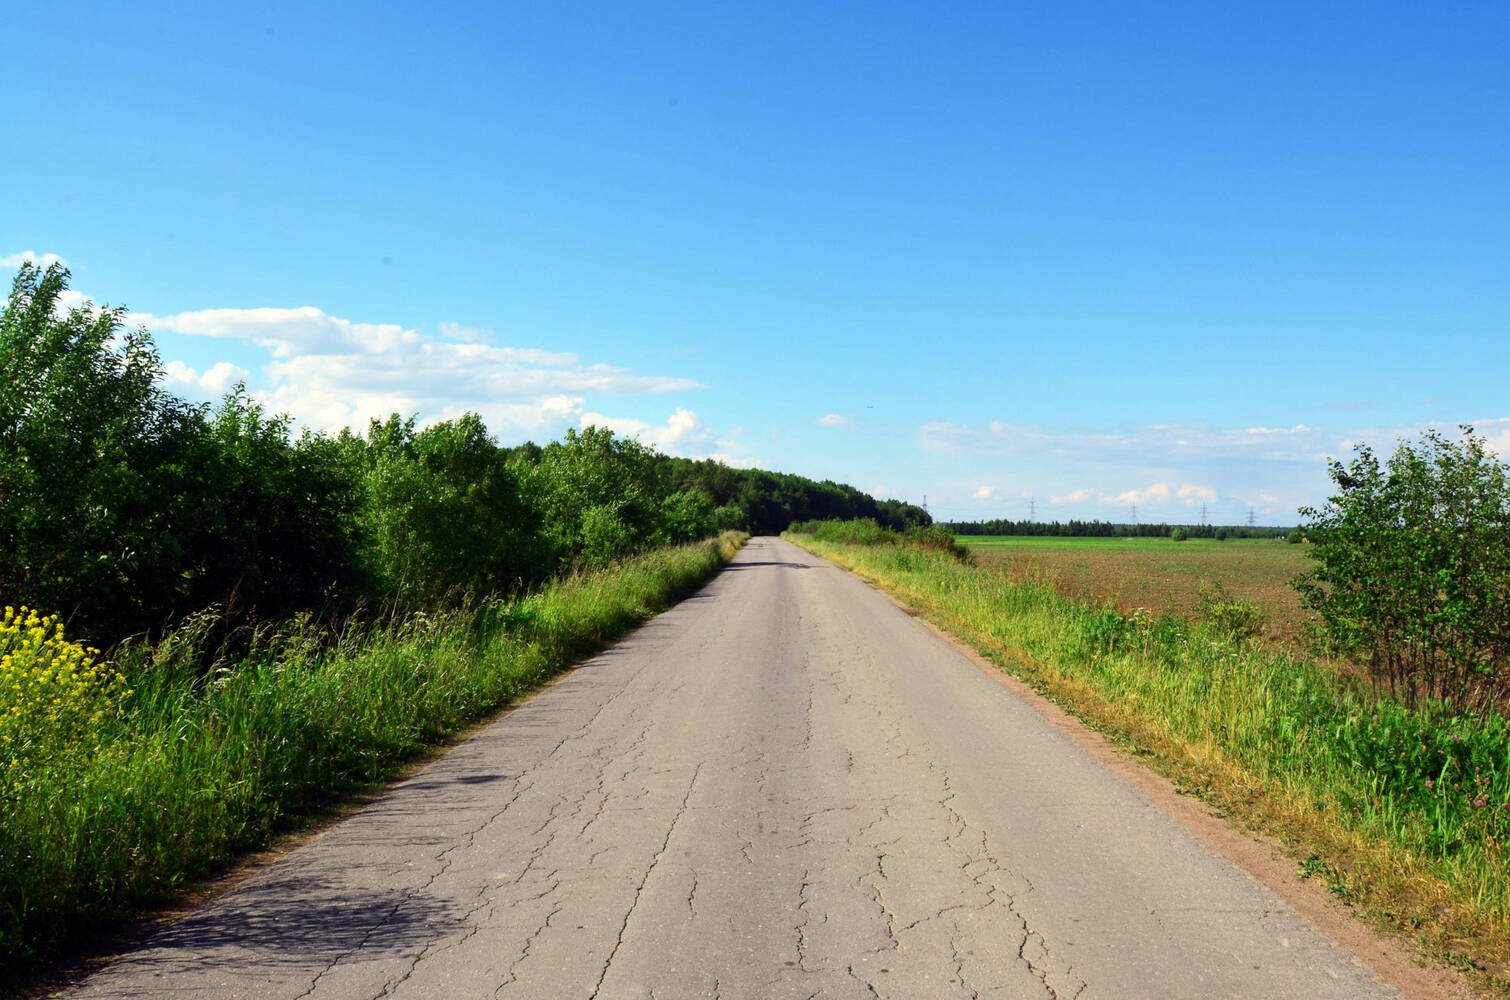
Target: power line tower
1203, 515
1033, 509
1250, 516
1135, 515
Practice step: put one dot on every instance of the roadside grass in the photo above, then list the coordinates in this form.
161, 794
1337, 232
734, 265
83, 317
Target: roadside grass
1159, 574
1404, 814
196, 768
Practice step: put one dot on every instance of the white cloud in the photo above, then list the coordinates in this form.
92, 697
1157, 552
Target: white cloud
835, 420
1190, 494
1277, 469
1297, 429
1496, 435
222, 375
984, 493
1151, 445
328, 372
685, 434
1156, 492
466, 334
946, 435
42, 260
68, 300
216, 380
684, 430
177, 372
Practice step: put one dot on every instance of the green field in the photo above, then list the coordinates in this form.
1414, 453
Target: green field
1159, 574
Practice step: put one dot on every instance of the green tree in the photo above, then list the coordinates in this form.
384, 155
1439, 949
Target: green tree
85, 521
685, 516
444, 513
615, 477
266, 521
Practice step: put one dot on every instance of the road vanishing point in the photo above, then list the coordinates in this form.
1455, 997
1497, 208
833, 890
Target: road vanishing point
784, 787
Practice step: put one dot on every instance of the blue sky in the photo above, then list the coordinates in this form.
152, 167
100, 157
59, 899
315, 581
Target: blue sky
1090, 254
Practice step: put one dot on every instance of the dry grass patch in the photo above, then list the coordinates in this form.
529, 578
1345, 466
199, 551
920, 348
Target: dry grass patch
1158, 574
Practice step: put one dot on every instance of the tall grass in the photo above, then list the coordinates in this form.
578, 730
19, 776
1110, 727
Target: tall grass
198, 767
1405, 811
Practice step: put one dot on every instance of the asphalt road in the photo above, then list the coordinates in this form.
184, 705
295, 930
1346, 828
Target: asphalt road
783, 788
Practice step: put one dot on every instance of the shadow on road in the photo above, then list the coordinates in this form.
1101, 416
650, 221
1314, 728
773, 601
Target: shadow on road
294, 923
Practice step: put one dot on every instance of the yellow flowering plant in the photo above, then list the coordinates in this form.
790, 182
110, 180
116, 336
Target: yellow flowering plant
54, 694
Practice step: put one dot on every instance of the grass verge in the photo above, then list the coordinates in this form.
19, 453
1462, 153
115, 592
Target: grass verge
1405, 814
196, 769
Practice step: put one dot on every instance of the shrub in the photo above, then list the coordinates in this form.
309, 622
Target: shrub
936, 537
1229, 617
860, 531
443, 513
1412, 568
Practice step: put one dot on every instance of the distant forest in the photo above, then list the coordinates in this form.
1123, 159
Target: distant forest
1109, 529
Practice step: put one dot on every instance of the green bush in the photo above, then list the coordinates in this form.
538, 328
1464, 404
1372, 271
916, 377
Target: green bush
125, 507
935, 536
860, 531
1412, 568
444, 514
1228, 617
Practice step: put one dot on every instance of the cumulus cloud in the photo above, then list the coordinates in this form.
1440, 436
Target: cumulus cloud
684, 429
42, 260
217, 379
1074, 496
835, 420
328, 372
984, 493
1156, 492
1190, 494
685, 434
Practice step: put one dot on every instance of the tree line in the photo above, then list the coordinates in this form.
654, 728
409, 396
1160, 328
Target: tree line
125, 508
1111, 529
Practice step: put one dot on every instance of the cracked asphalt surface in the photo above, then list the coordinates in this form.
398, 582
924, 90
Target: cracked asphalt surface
782, 788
